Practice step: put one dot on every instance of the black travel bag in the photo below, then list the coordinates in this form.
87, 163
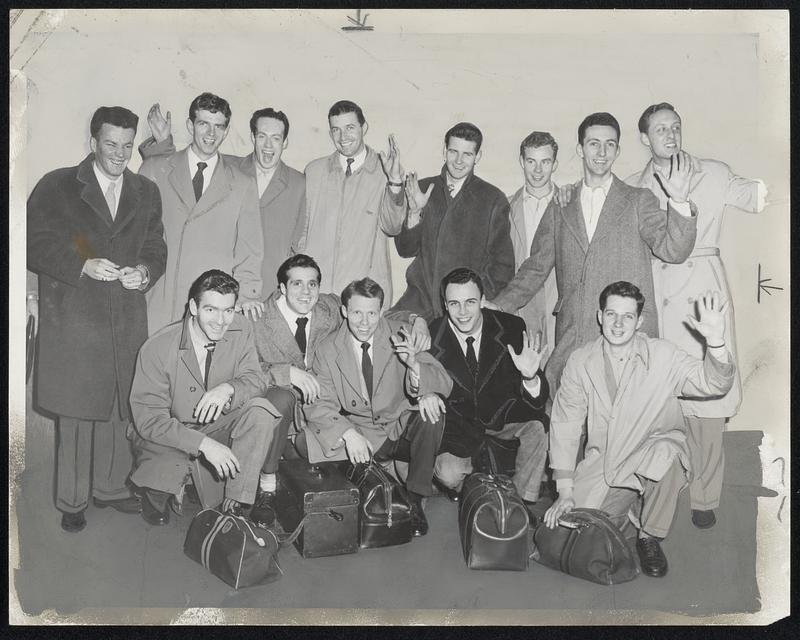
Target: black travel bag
496, 456
327, 500
493, 524
385, 511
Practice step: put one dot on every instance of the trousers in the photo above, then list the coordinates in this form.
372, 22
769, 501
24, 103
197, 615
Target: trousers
704, 437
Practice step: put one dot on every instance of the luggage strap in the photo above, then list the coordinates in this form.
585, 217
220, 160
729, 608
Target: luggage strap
286, 540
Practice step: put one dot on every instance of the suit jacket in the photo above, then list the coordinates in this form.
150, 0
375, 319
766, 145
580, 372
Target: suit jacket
470, 230
342, 405
349, 221
538, 312
90, 330
277, 349
635, 432
630, 230
168, 382
220, 231
496, 397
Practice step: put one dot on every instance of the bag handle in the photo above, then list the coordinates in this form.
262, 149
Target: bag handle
285, 541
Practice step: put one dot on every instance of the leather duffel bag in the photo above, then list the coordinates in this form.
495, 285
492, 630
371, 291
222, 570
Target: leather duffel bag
493, 524
496, 456
385, 511
586, 544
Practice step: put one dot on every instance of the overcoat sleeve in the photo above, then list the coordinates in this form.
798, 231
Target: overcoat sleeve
570, 409
153, 253
150, 148
250, 381
499, 266
392, 211
248, 250
669, 235
704, 378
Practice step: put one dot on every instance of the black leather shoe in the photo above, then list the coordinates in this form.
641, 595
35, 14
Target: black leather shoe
533, 517
651, 557
263, 512
151, 512
452, 494
73, 522
419, 523
131, 504
703, 519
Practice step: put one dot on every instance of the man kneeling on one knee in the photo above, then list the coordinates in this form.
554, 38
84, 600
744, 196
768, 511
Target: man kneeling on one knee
498, 388
199, 391
369, 371
626, 387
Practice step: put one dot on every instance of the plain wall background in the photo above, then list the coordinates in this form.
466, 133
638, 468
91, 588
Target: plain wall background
415, 75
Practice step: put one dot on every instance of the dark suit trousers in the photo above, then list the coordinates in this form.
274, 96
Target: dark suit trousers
417, 445
93, 457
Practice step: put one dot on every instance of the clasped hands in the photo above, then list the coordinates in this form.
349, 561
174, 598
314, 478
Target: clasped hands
107, 271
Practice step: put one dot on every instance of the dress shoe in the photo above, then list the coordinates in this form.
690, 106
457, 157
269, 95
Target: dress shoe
651, 557
703, 519
131, 504
263, 512
151, 512
73, 522
452, 494
419, 523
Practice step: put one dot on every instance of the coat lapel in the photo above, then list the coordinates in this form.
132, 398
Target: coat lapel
187, 354
128, 202
517, 219
382, 353
180, 180
492, 350
613, 208
345, 359
90, 193
572, 214
595, 369
278, 331
275, 186
220, 187
445, 348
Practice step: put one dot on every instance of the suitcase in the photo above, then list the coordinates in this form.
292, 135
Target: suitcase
493, 524
325, 499
385, 511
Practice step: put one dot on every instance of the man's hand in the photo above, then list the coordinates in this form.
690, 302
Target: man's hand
101, 269
530, 356
220, 457
486, 304
211, 404
131, 277
358, 447
407, 346
420, 334
391, 161
675, 180
431, 407
252, 309
711, 324
32, 309
160, 126
306, 383
563, 195
564, 504
417, 199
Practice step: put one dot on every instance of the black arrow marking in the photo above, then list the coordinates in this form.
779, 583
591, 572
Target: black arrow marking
764, 287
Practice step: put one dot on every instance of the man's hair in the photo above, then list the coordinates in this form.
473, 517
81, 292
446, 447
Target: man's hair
624, 290
366, 288
466, 131
115, 116
213, 280
209, 102
459, 275
297, 260
538, 139
346, 106
601, 119
644, 120
269, 112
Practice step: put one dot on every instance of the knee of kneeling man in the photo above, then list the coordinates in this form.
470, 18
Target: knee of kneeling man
451, 476
282, 399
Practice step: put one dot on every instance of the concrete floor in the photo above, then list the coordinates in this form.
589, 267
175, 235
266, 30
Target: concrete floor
140, 572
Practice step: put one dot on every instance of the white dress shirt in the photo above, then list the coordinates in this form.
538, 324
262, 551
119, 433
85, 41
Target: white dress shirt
103, 180
533, 210
357, 352
592, 201
263, 178
207, 172
291, 319
358, 160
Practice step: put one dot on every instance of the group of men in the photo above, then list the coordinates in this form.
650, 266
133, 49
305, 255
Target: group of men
236, 373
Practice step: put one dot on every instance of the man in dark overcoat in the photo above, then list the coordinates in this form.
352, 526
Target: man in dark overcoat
96, 241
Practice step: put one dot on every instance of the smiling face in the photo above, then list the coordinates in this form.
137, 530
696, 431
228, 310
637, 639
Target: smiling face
208, 131
362, 315
538, 165
619, 321
663, 134
463, 306
599, 150
347, 134
213, 314
460, 156
301, 289
112, 149
269, 142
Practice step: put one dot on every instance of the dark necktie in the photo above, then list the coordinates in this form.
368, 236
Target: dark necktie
472, 361
450, 188
197, 181
209, 355
300, 334
349, 171
366, 367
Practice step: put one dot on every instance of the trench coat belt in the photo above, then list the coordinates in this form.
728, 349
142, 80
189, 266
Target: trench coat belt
705, 252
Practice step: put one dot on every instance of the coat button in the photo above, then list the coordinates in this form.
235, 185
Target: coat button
690, 264
353, 403
192, 389
664, 266
317, 430
666, 301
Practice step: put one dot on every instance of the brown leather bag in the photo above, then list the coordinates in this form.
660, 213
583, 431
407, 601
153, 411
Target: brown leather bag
493, 524
586, 544
385, 511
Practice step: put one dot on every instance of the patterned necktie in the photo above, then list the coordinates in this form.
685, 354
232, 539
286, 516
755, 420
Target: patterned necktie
366, 367
450, 188
197, 181
300, 334
111, 200
472, 361
349, 171
209, 355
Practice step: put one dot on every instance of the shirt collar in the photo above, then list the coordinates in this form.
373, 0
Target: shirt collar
530, 196
639, 349
605, 186
290, 315
357, 343
462, 338
358, 160
103, 180
211, 163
